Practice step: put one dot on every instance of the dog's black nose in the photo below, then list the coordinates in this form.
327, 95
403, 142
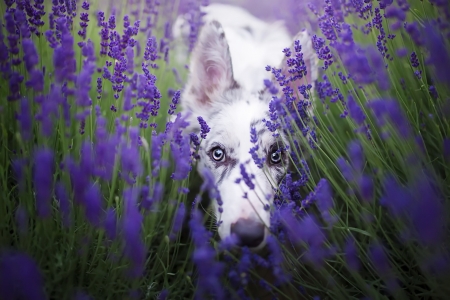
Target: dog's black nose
249, 232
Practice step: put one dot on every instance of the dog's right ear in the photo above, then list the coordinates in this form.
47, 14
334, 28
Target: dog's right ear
211, 71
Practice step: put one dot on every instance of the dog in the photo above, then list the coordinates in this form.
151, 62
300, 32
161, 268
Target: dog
225, 86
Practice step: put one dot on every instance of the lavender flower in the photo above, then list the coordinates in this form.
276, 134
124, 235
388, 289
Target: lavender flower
351, 254
366, 187
175, 100
391, 109
131, 165
413, 59
446, 148
62, 197
20, 277
355, 110
246, 177
253, 151
43, 181
21, 219
396, 198
204, 127
31, 57
209, 270
64, 55
93, 204
209, 185
110, 224
323, 195
134, 247
178, 221
439, 56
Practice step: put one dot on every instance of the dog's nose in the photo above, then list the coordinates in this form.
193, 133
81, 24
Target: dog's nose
249, 232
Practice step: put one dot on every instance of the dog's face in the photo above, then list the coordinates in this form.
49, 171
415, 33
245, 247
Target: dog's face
232, 112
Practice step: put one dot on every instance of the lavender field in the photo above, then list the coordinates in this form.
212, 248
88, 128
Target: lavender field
100, 198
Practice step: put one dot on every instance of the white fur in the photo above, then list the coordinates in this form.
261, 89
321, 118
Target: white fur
225, 87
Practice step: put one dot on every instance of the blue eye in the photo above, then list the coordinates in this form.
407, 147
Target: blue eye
275, 156
217, 154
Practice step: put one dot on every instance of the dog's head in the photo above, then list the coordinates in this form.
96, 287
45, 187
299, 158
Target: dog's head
233, 113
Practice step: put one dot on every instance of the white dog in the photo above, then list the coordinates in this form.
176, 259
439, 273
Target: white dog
226, 88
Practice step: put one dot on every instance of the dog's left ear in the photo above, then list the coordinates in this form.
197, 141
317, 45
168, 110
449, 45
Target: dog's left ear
211, 71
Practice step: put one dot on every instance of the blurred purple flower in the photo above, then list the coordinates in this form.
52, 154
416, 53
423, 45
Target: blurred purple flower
391, 109
345, 169
134, 247
356, 155
210, 185
178, 221
110, 224
20, 277
324, 197
43, 181
93, 205
276, 260
163, 295
64, 55
131, 163
446, 148
396, 198
428, 213
181, 153
366, 187
413, 30
379, 258
351, 254
21, 219
209, 270
439, 56
18, 167
80, 295
62, 197
30, 56
247, 178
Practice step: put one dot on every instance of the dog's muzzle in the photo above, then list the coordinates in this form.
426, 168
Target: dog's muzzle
249, 233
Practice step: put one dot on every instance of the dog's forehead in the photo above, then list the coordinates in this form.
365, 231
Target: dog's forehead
231, 123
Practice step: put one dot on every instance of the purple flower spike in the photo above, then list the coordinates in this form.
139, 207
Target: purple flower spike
351, 254
396, 198
31, 58
204, 127
356, 154
446, 148
62, 197
134, 249
110, 224
178, 221
209, 270
366, 187
43, 181
324, 198
439, 56
20, 277
254, 150
246, 177
93, 205
391, 110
